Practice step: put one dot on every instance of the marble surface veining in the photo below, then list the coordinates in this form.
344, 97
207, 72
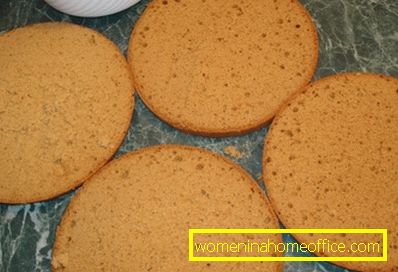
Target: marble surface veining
355, 35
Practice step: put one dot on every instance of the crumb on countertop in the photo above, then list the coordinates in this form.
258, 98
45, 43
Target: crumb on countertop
233, 152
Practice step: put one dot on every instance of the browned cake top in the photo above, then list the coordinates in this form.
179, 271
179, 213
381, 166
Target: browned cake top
65, 105
134, 214
221, 67
331, 159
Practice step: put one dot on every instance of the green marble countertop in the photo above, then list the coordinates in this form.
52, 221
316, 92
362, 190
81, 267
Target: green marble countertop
355, 35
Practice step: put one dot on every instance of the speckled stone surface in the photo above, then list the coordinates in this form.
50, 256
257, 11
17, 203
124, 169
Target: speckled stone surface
355, 35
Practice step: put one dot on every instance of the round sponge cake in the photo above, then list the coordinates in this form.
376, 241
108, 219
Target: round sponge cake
66, 101
331, 160
219, 68
135, 213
